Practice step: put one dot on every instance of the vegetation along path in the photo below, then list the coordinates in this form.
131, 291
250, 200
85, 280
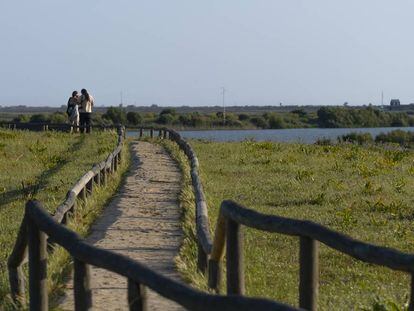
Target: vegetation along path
143, 223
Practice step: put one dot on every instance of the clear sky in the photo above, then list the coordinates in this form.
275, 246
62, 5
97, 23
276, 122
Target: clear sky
180, 52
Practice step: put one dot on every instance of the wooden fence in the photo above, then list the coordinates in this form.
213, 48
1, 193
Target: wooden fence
204, 241
228, 231
97, 176
228, 234
37, 223
40, 224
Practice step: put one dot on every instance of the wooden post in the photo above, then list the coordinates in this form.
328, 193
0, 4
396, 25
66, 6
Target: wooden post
137, 297
115, 160
37, 267
165, 134
140, 132
17, 284
152, 133
89, 187
309, 274
159, 133
214, 275
234, 250
82, 194
112, 166
104, 178
120, 156
64, 219
97, 178
411, 305
81, 286
201, 259
73, 209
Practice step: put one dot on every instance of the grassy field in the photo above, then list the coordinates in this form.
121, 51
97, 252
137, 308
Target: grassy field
365, 192
44, 166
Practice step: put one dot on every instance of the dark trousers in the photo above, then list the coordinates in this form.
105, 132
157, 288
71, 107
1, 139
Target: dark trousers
85, 122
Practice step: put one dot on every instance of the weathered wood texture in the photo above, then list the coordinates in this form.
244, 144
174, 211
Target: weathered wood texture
37, 267
137, 298
81, 288
310, 234
204, 241
308, 274
82, 188
138, 273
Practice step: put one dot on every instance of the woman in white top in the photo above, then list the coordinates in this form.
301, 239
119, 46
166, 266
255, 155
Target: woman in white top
86, 104
72, 110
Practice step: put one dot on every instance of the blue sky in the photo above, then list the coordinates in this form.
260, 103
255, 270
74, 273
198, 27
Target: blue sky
181, 52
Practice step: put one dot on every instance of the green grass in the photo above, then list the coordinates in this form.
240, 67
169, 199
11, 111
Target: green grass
365, 192
185, 261
45, 165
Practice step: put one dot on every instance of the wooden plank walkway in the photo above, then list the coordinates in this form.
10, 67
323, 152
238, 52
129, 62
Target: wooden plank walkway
141, 222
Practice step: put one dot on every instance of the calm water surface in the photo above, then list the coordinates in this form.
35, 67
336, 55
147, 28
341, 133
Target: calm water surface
286, 135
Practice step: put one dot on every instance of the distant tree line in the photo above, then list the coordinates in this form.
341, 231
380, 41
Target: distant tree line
325, 117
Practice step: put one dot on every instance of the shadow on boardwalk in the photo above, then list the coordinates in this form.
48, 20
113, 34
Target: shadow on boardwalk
141, 222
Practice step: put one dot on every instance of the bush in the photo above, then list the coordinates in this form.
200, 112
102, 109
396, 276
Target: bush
403, 138
116, 115
276, 122
354, 137
58, 117
299, 112
323, 142
259, 122
134, 118
165, 118
244, 117
170, 111
39, 118
23, 118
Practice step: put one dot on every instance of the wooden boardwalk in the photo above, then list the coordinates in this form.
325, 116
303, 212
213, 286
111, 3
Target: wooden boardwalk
143, 223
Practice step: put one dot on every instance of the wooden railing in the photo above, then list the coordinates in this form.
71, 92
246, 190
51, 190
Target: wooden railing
204, 241
228, 231
39, 224
228, 234
98, 175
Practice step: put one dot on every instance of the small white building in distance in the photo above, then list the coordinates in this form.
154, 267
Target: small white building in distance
395, 102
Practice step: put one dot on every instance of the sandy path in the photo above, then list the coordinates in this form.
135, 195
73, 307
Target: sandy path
141, 222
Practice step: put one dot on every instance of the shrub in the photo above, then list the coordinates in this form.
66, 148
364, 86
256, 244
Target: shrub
259, 122
22, 118
354, 137
171, 111
165, 118
116, 115
403, 138
244, 117
39, 118
134, 118
323, 142
276, 122
58, 117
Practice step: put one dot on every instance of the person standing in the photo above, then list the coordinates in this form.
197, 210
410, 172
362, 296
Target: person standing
73, 112
86, 104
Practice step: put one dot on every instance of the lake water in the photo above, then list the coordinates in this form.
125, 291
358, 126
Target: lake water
308, 136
